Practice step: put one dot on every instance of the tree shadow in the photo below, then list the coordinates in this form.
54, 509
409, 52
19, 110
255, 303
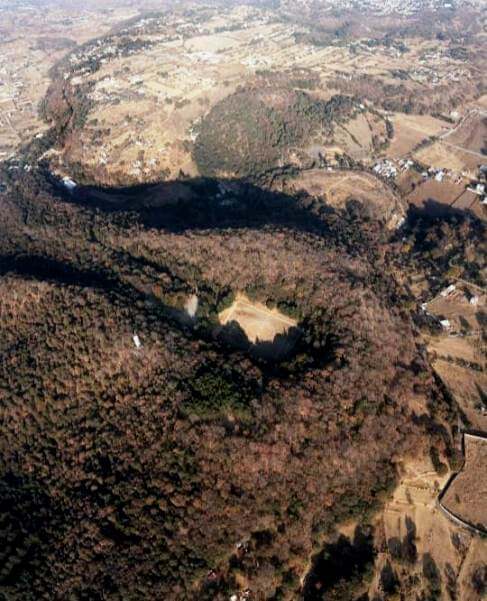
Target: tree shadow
278, 349
405, 549
205, 204
27, 514
339, 570
229, 336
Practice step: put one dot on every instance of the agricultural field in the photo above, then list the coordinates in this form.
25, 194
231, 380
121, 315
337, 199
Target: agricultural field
467, 386
443, 154
459, 354
411, 130
461, 148
152, 104
463, 308
173, 84
466, 494
471, 134
447, 192
419, 539
30, 44
481, 103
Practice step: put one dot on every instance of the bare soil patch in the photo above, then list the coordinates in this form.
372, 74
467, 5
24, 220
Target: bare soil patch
341, 186
466, 386
457, 308
410, 130
446, 155
259, 323
445, 192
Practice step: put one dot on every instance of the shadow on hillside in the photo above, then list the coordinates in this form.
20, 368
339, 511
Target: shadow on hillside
340, 568
181, 206
210, 204
27, 512
435, 209
278, 349
229, 336
204, 204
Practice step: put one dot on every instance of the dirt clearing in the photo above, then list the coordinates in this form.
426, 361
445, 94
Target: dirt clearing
410, 130
341, 186
259, 323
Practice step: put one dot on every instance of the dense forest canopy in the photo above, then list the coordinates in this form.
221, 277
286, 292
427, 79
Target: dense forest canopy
180, 450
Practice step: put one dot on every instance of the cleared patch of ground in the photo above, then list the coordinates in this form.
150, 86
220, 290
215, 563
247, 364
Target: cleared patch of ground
472, 133
466, 386
444, 154
457, 308
410, 130
446, 192
481, 102
191, 305
338, 187
465, 348
259, 323
356, 137
408, 180
466, 496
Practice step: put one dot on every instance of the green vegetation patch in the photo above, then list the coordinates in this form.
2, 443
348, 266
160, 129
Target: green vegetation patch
247, 133
216, 390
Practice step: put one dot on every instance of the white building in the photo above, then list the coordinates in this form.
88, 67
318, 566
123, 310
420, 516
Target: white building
447, 291
479, 189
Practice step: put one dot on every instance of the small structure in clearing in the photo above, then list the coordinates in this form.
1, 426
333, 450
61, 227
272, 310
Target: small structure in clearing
69, 184
259, 323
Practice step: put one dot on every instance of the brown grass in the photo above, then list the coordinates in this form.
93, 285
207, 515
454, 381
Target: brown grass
341, 186
410, 130
466, 496
471, 134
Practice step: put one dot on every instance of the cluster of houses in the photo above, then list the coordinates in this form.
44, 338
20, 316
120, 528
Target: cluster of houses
386, 168
480, 187
447, 292
433, 77
11, 102
439, 175
391, 168
385, 7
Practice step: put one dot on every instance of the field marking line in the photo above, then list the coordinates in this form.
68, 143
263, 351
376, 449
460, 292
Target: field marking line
337, 183
266, 312
459, 124
472, 152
